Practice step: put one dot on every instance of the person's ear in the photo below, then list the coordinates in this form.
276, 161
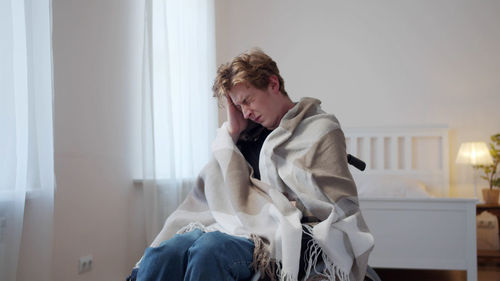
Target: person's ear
274, 83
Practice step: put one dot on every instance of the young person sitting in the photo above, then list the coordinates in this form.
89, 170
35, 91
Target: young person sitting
275, 163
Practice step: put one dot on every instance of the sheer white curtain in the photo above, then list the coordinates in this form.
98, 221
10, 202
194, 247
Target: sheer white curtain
179, 112
26, 142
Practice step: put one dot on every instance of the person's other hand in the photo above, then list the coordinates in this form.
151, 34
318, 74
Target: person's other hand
237, 123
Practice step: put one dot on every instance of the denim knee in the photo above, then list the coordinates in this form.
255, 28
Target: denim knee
219, 254
168, 259
178, 245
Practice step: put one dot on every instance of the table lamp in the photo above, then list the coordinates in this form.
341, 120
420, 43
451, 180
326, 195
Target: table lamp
475, 154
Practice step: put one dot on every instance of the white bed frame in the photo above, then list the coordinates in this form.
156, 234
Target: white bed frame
418, 233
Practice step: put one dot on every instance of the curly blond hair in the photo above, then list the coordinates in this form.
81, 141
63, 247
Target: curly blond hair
253, 67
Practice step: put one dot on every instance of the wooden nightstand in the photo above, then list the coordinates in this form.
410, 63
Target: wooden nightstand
488, 256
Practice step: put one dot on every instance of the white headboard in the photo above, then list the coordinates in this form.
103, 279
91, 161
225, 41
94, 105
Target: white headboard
416, 153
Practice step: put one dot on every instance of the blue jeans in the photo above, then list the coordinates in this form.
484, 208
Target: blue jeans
198, 255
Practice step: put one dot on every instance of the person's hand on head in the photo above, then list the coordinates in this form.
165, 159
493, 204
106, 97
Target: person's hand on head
237, 123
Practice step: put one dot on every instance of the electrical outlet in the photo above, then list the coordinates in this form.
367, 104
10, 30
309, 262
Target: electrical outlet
85, 264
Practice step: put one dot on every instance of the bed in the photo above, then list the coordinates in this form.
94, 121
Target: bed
404, 197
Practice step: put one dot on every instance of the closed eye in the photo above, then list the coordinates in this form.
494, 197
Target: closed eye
237, 106
246, 101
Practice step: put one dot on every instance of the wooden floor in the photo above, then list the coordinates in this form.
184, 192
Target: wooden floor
485, 273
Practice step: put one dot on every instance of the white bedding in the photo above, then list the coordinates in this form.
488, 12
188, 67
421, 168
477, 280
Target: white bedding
404, 197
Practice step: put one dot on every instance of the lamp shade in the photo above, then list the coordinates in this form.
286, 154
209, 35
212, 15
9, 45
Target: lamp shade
475, 153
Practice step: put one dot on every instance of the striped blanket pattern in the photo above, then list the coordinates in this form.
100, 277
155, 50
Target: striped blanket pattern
303, 161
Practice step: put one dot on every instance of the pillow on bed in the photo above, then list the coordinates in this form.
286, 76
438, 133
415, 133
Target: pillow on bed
391, 187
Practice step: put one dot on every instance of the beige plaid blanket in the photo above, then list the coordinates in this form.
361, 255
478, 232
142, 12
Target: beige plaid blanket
303, 160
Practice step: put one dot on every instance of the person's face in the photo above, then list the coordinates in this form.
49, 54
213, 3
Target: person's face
260, 106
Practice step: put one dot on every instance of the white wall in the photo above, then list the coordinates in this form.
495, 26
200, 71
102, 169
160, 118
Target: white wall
97, 73
379, 63
382, 63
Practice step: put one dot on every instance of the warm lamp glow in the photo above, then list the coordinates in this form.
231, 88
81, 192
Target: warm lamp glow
475, 153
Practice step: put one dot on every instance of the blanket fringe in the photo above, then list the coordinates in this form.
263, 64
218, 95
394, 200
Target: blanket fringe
313, 251
283, 276
192, 226
266, 265
261, 259
272, 268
